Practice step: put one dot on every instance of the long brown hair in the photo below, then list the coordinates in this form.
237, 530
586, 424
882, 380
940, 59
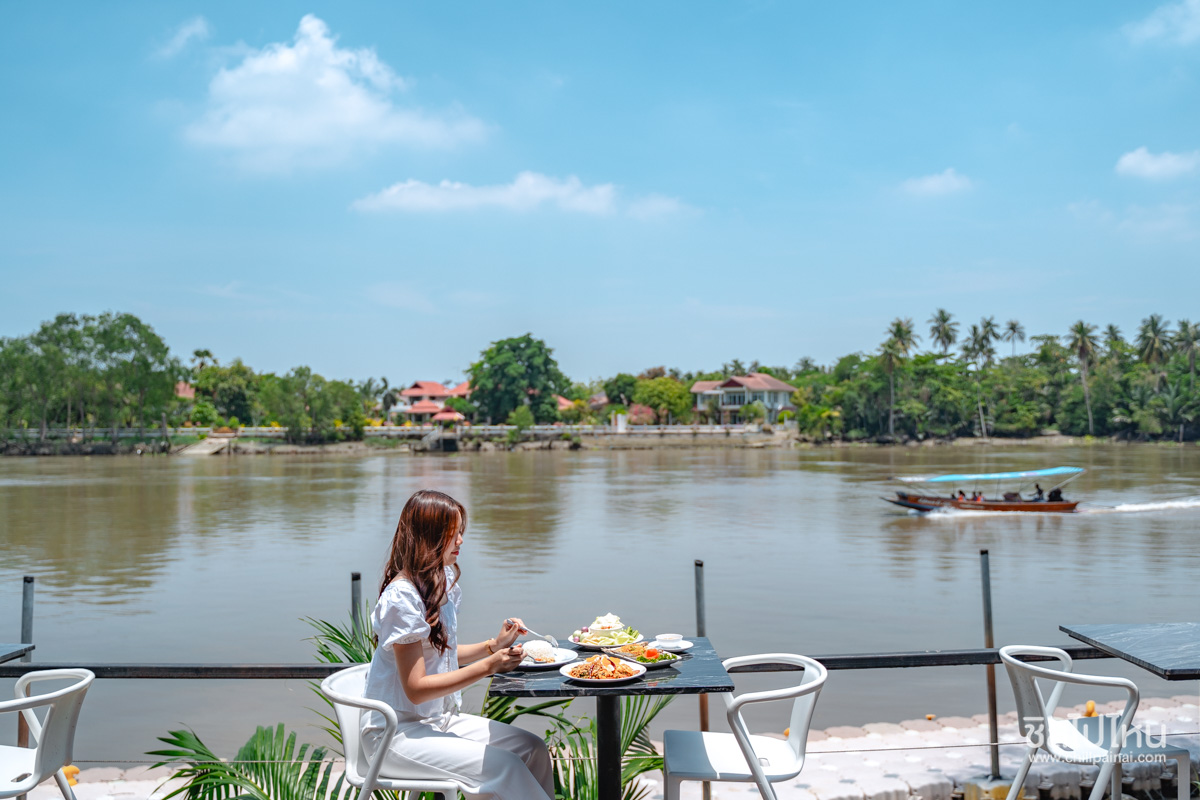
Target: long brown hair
428, 524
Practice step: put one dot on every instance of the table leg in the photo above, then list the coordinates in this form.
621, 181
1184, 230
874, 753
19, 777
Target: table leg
608, 747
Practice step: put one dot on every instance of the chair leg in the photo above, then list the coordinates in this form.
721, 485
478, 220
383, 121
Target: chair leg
1117, 791
1104, 782
671, 786
64, 785
1015, 790
1183, 776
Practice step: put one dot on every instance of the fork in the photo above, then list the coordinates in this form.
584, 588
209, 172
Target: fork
553, 642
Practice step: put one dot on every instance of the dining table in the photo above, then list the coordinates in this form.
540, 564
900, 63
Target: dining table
700, 672
1170, 650
11, 652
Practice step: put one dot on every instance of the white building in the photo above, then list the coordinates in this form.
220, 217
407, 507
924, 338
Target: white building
740, 390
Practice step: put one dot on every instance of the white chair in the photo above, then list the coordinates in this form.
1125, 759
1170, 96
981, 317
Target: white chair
1063, 739
705, 756
345, 690
23, 768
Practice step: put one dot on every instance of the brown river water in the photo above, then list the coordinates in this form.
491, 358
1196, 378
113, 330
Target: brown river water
218, 560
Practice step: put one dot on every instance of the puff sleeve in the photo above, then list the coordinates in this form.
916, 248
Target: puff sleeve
399, 616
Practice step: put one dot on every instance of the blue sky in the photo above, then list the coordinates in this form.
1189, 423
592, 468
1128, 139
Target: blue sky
384, 188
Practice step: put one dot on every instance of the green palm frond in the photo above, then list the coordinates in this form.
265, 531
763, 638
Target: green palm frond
343, 644
268, 767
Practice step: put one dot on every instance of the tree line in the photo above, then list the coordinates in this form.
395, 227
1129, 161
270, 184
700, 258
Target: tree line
112, 371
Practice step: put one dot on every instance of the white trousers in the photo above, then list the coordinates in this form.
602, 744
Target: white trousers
490, 759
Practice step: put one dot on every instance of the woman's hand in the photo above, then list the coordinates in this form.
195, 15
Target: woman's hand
510, 629
508, 659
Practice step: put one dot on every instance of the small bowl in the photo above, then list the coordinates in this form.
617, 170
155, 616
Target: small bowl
669, 639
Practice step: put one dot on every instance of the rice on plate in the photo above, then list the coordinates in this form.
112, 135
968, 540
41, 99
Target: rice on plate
539, 651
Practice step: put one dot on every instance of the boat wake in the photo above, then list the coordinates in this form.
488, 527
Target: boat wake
1138, 508
1179, 504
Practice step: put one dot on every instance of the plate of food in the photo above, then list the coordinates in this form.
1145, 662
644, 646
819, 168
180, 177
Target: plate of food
647, 655
540, 655
606, 631
600, 670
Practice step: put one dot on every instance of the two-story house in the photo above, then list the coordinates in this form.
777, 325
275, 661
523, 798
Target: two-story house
423, 399
730, 395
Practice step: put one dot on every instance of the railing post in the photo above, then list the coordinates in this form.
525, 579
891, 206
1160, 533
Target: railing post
26, 638
988, 642
702, 630
356, 603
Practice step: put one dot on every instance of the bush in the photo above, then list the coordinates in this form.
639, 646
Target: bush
204, 414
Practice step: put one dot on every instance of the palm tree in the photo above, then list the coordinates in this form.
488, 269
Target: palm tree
1083, 345
902, 331
891, 355
1176, 407
1154, 342
1187, 340
943, 329
988, 329
1014, 330
1113, 341
978, 348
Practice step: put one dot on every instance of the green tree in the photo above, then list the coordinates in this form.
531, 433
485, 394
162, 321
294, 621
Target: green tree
666, 396
943, 329
1154, 343
233, 389
1082, 343
1187, 340
517, 372
1176, 407
620, 388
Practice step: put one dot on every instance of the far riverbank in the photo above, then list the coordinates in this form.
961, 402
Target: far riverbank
540, 440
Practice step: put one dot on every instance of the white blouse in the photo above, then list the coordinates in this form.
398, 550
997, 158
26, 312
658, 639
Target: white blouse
399, 618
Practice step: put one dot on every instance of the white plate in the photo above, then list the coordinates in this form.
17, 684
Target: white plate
673, 647
640, 670
561, 656
587, 646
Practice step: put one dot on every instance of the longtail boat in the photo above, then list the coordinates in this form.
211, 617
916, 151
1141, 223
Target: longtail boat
926, 498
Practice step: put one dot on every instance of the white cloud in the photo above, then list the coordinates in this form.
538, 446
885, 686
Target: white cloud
1175, 23
401, 296
311, 103
1141, 163
1166, 221
194, 28
653, 206
941, 183
528, 191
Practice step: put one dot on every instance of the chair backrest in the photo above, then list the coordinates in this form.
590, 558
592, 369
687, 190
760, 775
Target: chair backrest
1031, 704
805, 693
55, 734
349, 684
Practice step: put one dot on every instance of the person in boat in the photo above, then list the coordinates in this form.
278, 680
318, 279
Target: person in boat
1055, 495
962, 495
1038, 494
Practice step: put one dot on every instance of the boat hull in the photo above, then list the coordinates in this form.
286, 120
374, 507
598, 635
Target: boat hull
919, 502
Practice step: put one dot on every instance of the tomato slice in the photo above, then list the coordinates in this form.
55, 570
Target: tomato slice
651, 652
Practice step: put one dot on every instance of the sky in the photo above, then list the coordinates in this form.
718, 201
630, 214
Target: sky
382, 189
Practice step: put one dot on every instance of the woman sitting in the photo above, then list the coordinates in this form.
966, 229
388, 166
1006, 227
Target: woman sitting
417, 668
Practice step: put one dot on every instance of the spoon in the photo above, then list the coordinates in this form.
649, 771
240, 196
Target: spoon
553, 642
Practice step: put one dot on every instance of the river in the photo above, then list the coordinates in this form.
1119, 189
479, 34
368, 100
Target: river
219, 560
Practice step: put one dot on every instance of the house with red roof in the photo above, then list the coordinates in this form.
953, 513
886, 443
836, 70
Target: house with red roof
740, 390
425, 399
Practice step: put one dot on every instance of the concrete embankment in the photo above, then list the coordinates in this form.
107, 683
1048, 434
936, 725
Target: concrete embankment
938, 759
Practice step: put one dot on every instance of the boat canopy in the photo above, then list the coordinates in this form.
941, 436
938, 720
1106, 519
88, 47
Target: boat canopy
993, 476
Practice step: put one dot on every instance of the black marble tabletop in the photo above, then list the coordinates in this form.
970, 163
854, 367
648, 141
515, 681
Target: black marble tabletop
699, 674
1170, 650
9, 652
